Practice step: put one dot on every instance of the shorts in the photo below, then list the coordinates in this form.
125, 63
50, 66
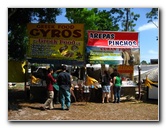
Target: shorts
106, 88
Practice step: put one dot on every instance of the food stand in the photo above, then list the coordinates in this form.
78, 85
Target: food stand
118, 50
54, 44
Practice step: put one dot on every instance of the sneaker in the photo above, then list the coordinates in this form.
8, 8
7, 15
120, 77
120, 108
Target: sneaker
67, 108
42, 108
51, 108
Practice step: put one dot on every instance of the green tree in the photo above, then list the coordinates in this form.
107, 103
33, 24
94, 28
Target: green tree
17, 26
93, 19
125, 17
84, 16
105, 22
144, 62
152, 15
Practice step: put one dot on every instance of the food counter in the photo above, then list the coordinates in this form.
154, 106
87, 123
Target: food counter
128, 89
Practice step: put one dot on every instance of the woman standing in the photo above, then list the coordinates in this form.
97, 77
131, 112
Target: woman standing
117, 81
106, 83
50, 90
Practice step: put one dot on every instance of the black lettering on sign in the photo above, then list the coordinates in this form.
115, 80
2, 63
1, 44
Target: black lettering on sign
66, 33
44, 32
34, 32
66, 26
77, 33
55, 33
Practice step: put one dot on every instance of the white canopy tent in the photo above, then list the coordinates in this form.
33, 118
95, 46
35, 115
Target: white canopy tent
147, 70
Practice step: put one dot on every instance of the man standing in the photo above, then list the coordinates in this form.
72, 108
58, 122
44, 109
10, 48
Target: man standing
64, 82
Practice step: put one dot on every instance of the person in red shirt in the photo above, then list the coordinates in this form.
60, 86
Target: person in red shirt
50, 90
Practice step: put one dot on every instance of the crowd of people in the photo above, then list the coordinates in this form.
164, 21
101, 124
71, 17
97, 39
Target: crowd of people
60, 90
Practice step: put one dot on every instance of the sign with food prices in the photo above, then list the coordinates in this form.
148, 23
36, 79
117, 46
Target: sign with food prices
56, 41
125, 68
113, 39
126, 73
110, 62
98, 55
56, 49
106, 55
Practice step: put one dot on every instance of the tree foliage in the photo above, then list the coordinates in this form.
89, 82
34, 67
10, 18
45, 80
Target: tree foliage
105, 21
93, 19
84, 16
144, 62
152, 15
17, 23
125, 17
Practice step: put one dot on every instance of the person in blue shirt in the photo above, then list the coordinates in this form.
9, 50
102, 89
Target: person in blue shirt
64, 82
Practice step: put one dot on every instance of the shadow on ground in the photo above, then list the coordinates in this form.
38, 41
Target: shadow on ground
18, 97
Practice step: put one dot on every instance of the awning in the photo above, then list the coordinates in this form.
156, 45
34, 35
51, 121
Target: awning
56, 62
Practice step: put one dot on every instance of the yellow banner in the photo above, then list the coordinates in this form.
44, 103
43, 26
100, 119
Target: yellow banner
55, 49
56, 31
15, 71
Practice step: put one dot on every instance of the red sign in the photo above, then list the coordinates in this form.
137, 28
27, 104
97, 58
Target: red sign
113, 39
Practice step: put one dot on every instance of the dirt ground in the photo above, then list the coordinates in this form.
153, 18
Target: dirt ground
20, 109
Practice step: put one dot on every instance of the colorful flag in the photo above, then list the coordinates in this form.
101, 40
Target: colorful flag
149, 82
91, 81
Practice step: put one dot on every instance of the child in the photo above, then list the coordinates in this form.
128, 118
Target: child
86, 93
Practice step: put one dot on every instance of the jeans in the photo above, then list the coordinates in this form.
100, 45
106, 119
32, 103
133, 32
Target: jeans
117, 90
65, 98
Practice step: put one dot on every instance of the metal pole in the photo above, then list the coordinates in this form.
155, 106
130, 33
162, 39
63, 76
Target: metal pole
139, 82
25, 78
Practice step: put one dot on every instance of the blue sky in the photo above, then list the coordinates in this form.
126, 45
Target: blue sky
149, 46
